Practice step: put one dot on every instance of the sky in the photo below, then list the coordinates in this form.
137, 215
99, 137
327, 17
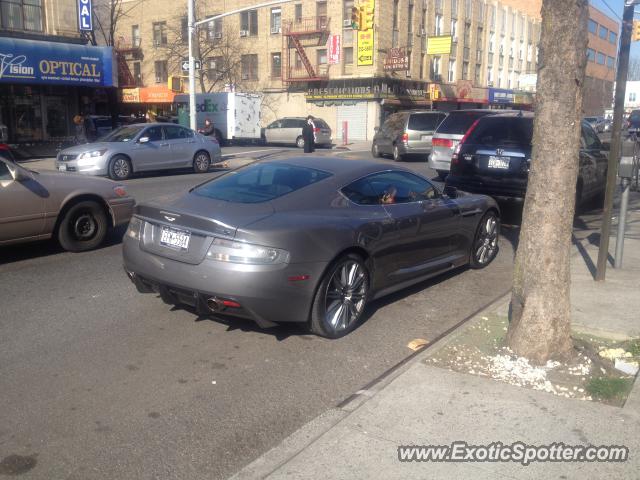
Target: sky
617, 6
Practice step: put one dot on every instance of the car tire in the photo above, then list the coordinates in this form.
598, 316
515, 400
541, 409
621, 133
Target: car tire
82, 227
119, 168
375, 151
300, 142
485, 242
397, 157
201, 162
333, 313
442, 174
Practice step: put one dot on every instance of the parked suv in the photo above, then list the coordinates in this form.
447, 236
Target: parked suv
406, 133
633, 122
597, 123
494, 158
449, 133
288, 130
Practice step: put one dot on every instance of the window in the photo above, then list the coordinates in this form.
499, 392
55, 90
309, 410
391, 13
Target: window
395, 14
298, 12
154, 134
465, 70
454, 29
468, 8
409, 56
503, 19
435, 68
135, 36
593, 26
21, 14
480, 11
276, 20
492, 20
503, 132
257, 183
276, 65
591, 55
137, 75
490, 76
410, 19
321, 12
161, 71
390, 187
184, 29
611, 62
422, 66
425, 122
438, 25
601, 58
476, 74
632, 96
249, 23
159, 33
603, 32
298, 61
321, 56
214, 29
249, 67
454, 8
175, 132
347, 53
215, 67
613, 37
492, 41
452, 71
467, 33
347, 5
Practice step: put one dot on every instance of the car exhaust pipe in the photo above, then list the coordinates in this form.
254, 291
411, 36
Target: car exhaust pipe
214, 304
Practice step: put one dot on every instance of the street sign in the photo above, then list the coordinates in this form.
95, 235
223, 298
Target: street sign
185, 65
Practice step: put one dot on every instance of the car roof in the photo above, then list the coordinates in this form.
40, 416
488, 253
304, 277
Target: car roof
513, 113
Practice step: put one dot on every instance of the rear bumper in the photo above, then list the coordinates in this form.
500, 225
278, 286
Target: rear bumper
121, 210
437, 161
501, 193
265, 293
409, 150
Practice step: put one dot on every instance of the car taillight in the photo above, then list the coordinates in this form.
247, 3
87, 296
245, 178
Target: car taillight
316, 130
456, 152
405, 137
442, 142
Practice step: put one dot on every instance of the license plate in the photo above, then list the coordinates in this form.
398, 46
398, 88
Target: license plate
62, 168
498, 162
173, 238
425, 138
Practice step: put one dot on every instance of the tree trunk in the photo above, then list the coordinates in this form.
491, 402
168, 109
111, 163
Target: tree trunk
540, 313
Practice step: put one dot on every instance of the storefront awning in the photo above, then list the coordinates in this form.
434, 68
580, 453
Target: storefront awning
155, 94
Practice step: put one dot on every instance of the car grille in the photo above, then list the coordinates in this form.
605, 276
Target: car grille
66, 157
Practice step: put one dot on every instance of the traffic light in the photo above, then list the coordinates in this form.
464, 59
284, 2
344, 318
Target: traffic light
174, 83
635, 31
367, 17
355, 18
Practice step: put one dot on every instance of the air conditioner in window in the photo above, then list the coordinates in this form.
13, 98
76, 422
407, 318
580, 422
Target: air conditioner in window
244, 33
245, 76
217, 35
275, 29
346, 23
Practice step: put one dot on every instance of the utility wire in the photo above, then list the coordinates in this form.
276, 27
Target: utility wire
612, 10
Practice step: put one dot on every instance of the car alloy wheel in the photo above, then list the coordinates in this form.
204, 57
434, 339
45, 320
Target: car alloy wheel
345, 296
375, 150
485, 245
201, 162
120, 168
396, 154
300, 142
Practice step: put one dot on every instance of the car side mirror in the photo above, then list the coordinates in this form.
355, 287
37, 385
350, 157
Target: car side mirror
18, 173
143, 139
451, 192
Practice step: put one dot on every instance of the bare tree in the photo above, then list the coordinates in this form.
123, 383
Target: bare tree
106, 15
540, 313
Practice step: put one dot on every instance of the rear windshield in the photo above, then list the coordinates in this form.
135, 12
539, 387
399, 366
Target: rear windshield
503, 132
260, 183
320, 123
457, 123
424, 121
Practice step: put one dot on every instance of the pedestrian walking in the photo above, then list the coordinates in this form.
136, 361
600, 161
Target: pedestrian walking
308, 135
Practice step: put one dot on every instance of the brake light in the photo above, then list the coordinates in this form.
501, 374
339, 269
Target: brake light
316, 130
405, 137
442, 142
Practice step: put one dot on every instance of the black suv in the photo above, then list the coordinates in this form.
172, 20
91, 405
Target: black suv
494, 158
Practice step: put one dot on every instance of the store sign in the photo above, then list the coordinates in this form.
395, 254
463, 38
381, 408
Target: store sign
156, 94
49, 63
500, 95
333, 49
440, 45
130, 95
365, 39
395, 60
365, 89
85, 15
462, 92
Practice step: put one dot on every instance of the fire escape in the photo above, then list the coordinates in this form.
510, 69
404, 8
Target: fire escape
296, 35
127, 49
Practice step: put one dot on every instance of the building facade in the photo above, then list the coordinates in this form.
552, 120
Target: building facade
602, 54
307, 59
47, 72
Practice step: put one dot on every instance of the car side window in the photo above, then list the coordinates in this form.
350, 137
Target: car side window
275, 124
5, 174
290, 123
154, 134
590, 139
172, 133
401, 187
361, 192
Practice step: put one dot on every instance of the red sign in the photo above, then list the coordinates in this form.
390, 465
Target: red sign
333, 45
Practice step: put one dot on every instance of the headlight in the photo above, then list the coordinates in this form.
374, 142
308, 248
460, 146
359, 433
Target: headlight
86, 157
133, 230
240, 252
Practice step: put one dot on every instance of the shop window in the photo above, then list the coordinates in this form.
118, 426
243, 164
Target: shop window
276, 65
159, 33
21, 15
249, 67
161, 71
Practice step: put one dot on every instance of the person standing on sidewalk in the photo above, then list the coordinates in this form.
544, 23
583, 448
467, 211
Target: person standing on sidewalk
81, 133
308, 135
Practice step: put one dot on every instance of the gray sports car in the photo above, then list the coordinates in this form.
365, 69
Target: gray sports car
305, 240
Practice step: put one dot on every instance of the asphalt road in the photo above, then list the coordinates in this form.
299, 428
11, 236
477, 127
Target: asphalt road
98, 381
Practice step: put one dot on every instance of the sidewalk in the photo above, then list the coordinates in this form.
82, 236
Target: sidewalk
420, 404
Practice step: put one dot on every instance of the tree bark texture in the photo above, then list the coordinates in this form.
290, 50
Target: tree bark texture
540, 313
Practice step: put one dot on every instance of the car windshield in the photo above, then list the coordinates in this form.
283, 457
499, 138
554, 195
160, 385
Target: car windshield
457, 123
122, 134
260, 183
424, 121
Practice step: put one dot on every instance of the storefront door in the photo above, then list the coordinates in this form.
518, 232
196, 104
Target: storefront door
56, 117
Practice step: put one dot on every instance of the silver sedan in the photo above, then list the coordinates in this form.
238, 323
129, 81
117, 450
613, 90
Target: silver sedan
141, 147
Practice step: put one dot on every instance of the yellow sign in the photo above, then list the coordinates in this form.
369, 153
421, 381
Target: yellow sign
439, 45
635, 31
365, 38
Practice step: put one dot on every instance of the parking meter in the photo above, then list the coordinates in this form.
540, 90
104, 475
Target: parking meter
625, 168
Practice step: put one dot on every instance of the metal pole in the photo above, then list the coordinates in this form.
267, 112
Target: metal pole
616, 140
192, 71
622, 221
